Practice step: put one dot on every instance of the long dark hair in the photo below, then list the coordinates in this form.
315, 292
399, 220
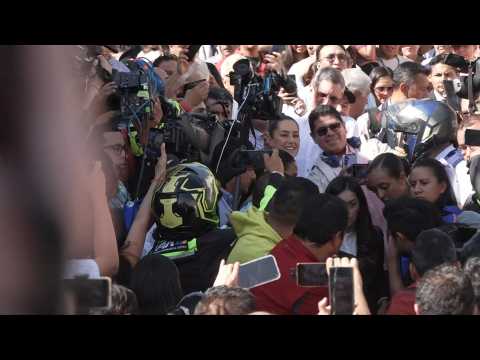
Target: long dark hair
392, 164
448, 197
376, 74
289, 56
363, 225
156, 283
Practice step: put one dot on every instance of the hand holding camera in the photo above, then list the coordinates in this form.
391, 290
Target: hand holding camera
274, 62
273, 163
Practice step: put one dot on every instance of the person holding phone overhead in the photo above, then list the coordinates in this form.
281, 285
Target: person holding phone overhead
308, 243
362, 240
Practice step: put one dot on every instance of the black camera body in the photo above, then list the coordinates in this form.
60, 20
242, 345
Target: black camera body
467, 87
257, 96
134, 92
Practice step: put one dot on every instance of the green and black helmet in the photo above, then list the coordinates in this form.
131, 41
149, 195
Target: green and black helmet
185, 206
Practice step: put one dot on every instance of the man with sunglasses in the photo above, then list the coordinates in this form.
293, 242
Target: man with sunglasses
327, 88
329, 133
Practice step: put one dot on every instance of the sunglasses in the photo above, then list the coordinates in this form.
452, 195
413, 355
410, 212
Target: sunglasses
322, 131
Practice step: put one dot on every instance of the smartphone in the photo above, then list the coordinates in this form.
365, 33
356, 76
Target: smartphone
312, 274
341, 290
472, 137
91, 293
192, 51
258, 272
359, 171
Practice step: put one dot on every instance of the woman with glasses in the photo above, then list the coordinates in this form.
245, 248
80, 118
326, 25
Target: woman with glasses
381, 88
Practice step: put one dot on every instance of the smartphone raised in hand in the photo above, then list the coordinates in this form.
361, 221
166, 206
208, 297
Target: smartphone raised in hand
258, 272
358, 171
341, 290
90, 293
312, 274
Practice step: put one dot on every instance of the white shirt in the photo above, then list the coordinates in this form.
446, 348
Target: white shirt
451, 171
464, 182
321, 173
151, 55
149, 241
393, 62
308, 151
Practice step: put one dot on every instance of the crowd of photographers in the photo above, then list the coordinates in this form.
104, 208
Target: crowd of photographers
205, 158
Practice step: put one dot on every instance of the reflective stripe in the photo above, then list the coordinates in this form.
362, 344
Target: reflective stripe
268, 194
191, 250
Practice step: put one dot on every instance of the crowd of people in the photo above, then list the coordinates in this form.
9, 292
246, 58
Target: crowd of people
360, 156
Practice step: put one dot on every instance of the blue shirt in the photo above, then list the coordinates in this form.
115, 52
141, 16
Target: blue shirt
225, 205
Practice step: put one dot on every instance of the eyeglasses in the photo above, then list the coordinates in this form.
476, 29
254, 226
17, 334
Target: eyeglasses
341, 57
322, 131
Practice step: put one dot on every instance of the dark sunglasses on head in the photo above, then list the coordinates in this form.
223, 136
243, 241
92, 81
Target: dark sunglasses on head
322, 131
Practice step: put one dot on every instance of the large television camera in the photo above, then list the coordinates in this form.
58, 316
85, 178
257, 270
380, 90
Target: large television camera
258, 97
466, 87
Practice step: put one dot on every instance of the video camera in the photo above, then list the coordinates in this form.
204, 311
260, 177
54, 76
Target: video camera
467, 87
256, 95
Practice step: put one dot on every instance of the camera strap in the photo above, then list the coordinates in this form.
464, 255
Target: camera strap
471, 102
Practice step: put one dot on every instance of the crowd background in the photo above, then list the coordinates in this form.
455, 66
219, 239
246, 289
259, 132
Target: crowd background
363, 162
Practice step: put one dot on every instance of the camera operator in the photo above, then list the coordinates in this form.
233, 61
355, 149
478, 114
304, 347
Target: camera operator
471, 157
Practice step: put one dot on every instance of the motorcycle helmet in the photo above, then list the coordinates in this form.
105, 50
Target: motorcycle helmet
185, 205
425, 124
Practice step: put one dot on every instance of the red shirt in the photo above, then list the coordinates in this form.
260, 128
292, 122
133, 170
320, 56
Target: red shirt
403, 301
283, 296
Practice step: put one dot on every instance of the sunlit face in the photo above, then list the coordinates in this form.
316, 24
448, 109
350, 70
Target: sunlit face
286, 137
441, 72
424, 184
178, 50
299, 49
334, 56
114, 147
442, 49
330, 134
420, 88
390, 51
227, 50
169, 66
385, 186
410, 51
353, 206
383, 89
466, 51
328, 93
